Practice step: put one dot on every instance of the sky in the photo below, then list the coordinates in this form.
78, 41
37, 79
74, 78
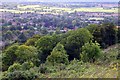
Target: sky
59, 0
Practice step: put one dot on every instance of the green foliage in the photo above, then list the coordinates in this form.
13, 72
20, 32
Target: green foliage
78, 66
118, 34
20, 60
110, 54
32, 41
92, 28
75, 41
43, 68
15, 67
19, 54
90, 52
75, 69
27, 65
26, 53
109, 34
45, 45
9, 56
58, 55
105, 34
118, 56
31, 74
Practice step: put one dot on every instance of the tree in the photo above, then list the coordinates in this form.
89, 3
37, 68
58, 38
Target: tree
58, 55
44, 31
90, 52
92, 28
26, 53
22, 38
109, 34
74, 23
75, 41
98, 36
105, 34
118, 35
45, 45
32, 41
8, 35
9, 56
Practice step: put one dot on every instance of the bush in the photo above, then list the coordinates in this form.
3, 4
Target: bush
27, 65
90, 52
15, 67
31, 74
43, 68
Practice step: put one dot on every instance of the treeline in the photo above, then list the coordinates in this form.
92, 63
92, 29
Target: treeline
84, 44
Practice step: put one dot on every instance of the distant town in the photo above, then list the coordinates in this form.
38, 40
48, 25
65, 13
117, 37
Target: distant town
48, 18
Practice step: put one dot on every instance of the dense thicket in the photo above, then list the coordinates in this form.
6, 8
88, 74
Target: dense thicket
105, 34
75, 41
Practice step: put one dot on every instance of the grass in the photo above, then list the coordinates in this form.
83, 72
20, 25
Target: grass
96, 71
101, 69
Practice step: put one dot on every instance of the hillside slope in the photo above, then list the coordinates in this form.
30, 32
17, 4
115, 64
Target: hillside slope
107, 67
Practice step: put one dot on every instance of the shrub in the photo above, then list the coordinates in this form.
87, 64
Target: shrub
31, 74
15, 67
27, 65
90, 52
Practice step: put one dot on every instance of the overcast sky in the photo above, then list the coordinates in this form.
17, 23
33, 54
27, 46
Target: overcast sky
59, 0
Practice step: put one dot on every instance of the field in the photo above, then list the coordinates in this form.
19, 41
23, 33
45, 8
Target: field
43, 9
